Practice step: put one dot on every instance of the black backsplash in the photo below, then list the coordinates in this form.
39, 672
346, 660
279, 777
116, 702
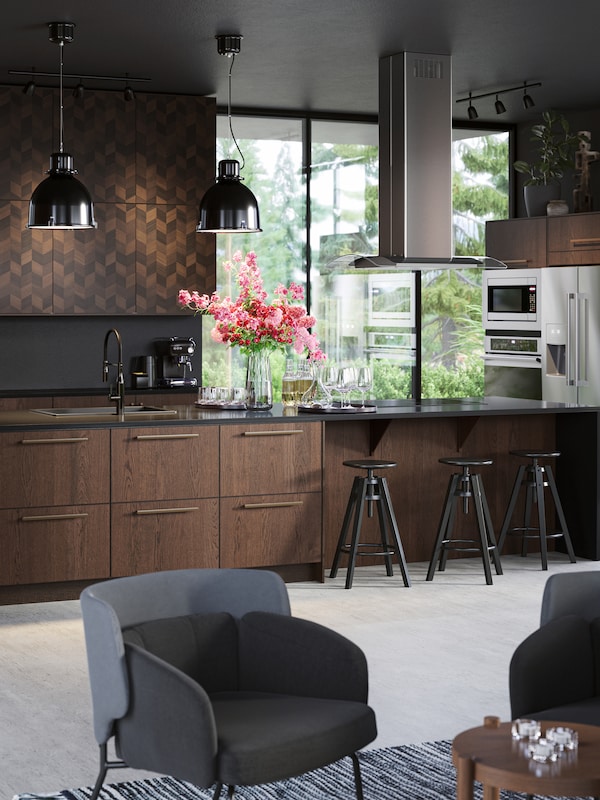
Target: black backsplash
66, 352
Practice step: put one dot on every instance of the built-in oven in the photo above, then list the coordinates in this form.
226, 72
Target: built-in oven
513, 366
511, 301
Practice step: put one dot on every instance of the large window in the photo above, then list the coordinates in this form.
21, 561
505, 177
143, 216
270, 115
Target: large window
316, 182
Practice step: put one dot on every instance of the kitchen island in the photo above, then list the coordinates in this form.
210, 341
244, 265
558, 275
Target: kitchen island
90, 497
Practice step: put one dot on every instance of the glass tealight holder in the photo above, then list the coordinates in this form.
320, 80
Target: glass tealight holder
563, 738
543, 751
529, 729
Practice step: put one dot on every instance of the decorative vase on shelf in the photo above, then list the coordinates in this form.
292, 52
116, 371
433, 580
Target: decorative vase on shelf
557, 208
537, 197
259, 387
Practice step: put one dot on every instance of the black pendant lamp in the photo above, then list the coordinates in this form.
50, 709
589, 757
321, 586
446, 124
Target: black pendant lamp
229, 206
61, 201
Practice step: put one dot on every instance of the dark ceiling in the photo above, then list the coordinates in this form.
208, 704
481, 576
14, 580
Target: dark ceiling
318, 55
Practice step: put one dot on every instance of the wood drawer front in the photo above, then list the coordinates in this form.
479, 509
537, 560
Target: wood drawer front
54, 543
147, 537
574, 239
517, 242
270, 530
165, 463
283, 457
55, 467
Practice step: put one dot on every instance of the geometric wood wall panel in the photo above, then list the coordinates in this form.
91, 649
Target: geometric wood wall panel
26, 140
25, 263
146, 165
100, 135
175, 148
94, 270
170, 256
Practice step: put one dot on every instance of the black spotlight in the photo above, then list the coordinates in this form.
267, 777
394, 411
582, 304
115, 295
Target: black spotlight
527, 101
78, 91
499, 106
128, 94
472, 112
29, 88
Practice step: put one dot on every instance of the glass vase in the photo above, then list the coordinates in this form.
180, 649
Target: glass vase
259, 387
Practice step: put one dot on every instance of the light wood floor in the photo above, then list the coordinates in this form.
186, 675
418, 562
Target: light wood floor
438, 658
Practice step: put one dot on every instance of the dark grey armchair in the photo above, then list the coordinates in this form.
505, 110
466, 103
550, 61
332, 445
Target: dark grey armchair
555, 672
205, 675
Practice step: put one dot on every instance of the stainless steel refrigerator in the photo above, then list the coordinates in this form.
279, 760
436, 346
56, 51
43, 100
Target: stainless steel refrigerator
571, 334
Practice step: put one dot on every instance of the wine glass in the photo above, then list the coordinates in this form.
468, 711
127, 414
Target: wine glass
346, 383
365, 382
330, 378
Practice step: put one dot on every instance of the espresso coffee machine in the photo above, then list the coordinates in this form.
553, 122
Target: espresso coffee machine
174, 361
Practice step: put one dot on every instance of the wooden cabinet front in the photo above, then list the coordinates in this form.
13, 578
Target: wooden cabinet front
54, 543
574, 239
517, 242
278, 458
164, 463
271, 530
55, 467
160, 536
271, 478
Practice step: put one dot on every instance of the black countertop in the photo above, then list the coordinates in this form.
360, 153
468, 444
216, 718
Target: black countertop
189, 413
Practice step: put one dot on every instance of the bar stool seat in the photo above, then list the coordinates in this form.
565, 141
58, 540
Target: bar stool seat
534, 478
464, 485
373, 490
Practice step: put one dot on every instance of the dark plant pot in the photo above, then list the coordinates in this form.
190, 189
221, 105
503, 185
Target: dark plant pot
537, 198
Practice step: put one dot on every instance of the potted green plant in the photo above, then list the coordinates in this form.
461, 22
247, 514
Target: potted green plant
556, 147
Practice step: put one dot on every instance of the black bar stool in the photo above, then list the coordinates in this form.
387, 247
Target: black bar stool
370, 488
464, 485
531, 478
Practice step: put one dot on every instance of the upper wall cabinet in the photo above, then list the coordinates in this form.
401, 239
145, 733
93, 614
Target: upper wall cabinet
573, 239
523, 244
146, 164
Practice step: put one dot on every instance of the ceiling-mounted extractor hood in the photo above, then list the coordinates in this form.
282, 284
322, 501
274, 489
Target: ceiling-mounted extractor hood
415, 168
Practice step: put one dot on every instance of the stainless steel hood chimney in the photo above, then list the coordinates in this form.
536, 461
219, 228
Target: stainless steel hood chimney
415, 167
415, 155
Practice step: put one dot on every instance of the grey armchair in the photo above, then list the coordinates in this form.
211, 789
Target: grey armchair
205, 675
555, 672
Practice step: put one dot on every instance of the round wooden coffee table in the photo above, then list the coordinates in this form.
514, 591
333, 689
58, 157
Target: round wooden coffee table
490, 755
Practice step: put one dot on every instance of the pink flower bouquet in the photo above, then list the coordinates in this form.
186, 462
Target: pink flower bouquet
251, 323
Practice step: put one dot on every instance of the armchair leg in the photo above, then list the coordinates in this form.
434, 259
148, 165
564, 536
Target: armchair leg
357, 777
105, 765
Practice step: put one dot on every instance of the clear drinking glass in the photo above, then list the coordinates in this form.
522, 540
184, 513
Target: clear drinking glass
347, 382
364, 383
330, 378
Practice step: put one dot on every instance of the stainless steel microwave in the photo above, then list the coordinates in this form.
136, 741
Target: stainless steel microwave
511, 301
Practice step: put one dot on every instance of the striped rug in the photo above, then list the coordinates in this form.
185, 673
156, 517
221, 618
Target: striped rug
409, 772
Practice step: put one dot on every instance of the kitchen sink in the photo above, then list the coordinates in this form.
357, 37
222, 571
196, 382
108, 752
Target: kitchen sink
96, 411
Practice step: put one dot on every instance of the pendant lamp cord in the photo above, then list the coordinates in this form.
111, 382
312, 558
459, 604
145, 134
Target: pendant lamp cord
229, 113
61, 116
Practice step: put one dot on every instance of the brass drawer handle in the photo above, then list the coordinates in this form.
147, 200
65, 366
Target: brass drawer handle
287, 504
55, 441
43, 517
516, 261
166, 510
154, 436
585, 242
272, 433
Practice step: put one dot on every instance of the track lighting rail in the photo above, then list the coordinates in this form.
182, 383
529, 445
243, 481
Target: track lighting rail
499, 105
